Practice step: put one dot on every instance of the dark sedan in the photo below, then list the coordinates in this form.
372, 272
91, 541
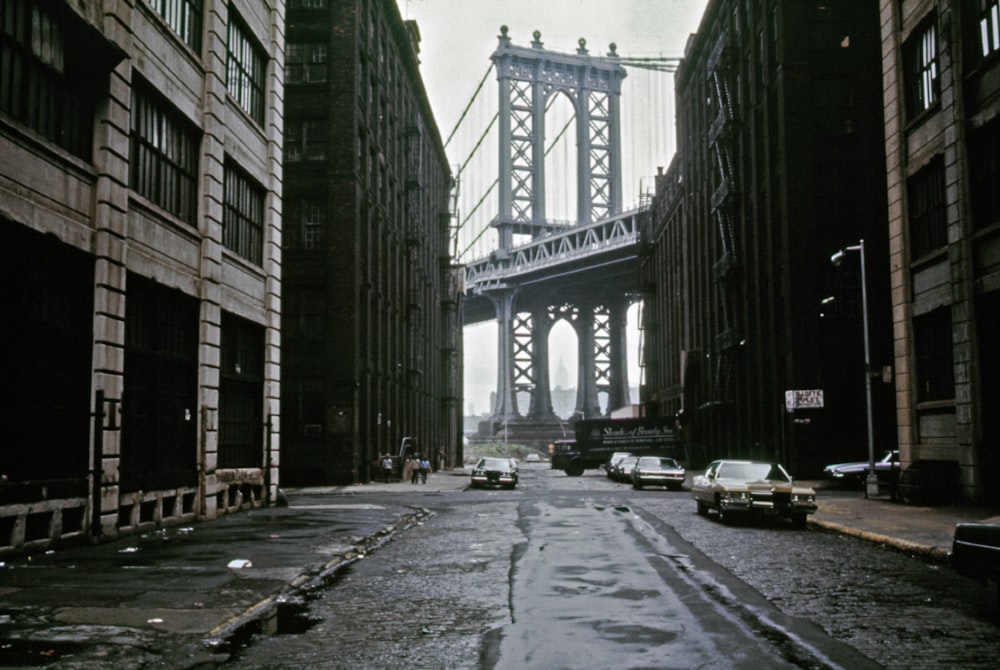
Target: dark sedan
658, 471
494, 472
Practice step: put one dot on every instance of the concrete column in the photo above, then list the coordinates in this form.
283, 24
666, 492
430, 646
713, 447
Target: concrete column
541, 397
506, 398
618, 393
587, 403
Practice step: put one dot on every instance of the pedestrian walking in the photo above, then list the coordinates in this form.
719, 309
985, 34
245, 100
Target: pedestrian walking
425, 467
414, 472
387, 467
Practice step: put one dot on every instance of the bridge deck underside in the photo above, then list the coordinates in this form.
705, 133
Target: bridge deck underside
586, 281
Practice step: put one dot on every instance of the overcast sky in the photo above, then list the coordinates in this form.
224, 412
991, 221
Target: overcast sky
457, 38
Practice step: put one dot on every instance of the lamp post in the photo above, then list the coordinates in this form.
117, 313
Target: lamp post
871, 481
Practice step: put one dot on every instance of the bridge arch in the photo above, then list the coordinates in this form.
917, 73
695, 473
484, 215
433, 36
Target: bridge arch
527, 77
561, 160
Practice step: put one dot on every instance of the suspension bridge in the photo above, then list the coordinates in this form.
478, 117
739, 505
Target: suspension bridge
542, 222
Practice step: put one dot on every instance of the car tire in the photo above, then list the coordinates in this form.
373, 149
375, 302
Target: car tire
702, 508
574, 470
637, 485
799, 520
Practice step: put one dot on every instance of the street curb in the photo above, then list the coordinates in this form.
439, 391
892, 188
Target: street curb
217, 639
937, 554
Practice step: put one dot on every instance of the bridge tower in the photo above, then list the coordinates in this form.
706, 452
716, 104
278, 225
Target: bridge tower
528, 77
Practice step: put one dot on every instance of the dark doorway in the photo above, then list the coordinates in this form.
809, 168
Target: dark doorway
241, 395
48, 303
160, 403
988, 316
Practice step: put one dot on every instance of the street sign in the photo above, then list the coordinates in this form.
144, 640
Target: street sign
806, 399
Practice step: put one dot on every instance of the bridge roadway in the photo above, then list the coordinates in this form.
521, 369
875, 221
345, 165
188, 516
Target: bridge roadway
570, 264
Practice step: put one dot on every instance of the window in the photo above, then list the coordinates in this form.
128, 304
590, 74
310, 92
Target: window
921, 78
241, 394
989, 27
184, 16
38, 84
935, 364
307, 4
927, 215
305, 63
245, 70
305, 140
305, 225
163, 154
984, 169
243, 215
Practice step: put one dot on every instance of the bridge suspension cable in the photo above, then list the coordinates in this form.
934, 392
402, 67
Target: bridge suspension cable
465, 111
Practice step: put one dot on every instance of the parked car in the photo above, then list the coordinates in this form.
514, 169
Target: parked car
752, 489
658, 471
532, 458
854, 474
975, 552
493, 472
612, 465
623, 470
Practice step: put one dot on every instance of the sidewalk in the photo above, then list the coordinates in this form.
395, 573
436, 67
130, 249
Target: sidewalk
924, 531
186, 592
175, 597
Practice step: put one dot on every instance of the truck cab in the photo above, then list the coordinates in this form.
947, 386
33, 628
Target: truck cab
566, 457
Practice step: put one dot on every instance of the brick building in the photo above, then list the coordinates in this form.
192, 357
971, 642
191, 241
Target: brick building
779, 165
371, 337
941, 78
140, 210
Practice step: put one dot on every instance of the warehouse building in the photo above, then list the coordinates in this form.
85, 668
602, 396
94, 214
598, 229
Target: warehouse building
140, 217
941, 78
753, 339
371, 337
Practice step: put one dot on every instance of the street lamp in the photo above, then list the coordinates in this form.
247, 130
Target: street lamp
871, 481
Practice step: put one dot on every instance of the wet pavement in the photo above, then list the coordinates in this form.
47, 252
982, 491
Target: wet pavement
177, 597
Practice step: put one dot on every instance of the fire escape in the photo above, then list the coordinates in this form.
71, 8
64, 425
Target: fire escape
724, 204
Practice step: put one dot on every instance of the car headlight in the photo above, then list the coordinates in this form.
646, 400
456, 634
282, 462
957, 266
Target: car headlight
736, 496
804, 498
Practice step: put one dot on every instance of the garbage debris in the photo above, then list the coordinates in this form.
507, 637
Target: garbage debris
238, 563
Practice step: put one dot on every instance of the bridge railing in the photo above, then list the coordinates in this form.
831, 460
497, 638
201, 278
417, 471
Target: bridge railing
553, 249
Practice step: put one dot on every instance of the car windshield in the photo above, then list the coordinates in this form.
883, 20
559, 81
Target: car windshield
751, 471
494, 464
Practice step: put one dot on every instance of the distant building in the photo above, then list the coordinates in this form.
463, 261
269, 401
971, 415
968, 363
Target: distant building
779, 165
941, 74
140, 222
371, 337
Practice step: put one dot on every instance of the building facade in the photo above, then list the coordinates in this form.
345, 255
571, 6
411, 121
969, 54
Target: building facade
941, 79
140, 210
371, 335
779, 166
